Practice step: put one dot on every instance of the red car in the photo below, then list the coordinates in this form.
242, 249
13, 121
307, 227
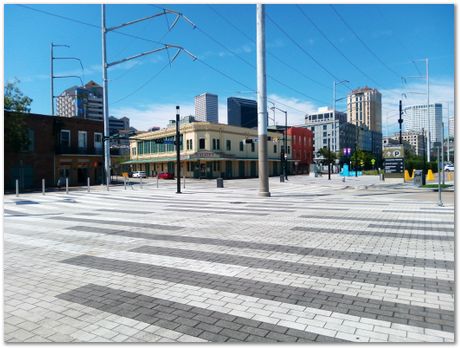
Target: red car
165, 176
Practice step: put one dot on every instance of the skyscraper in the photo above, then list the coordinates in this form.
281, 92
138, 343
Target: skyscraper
364, 108
85, 102
206, 108
242, 112
415, 118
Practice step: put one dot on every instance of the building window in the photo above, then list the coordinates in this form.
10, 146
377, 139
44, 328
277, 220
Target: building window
253, 147
82, 139
216, 144
65, 138
31, 141
202, 144
229, 145
133, 151
274, 148
241, 146
98, 141
289, 150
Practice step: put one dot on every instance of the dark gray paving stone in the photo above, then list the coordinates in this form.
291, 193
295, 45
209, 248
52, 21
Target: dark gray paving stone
419, 228
372, 219
384, 279
287, 294
375, 233
346, 255
228, 329
119, 223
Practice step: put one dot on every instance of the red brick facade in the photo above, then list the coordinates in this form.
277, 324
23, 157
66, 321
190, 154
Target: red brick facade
301, 149
47, 158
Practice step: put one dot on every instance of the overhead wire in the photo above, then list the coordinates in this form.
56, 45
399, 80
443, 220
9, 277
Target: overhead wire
148, 40
268, 52
301, 48
364, 43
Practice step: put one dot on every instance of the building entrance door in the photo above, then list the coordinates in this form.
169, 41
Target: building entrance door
253, 169
228, 169
241, 169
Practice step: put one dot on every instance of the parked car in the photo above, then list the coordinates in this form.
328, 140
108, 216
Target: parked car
139, 174
449, 167
165, 176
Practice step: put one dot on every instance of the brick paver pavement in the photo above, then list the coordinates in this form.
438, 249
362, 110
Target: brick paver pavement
320, 260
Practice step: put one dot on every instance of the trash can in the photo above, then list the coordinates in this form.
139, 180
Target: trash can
418, 178
220, 182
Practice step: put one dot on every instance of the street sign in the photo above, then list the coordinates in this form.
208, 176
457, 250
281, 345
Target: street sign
394, 165
168, 142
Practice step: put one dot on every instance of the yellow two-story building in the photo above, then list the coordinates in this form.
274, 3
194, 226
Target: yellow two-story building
207, 150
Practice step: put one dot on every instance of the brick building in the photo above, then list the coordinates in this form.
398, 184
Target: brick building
302, 149
58, 147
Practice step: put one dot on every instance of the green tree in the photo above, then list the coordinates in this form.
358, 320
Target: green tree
328, 155
14, 99
15, 104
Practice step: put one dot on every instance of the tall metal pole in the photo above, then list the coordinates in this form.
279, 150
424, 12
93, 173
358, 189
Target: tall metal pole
424, 158
52, 80
262, 102
177, 150
105, 101
428, 110
442, 153
448, 134
329, 156
400, 121
285, 145
439, 181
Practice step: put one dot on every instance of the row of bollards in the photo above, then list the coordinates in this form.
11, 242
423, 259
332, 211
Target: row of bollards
125, 182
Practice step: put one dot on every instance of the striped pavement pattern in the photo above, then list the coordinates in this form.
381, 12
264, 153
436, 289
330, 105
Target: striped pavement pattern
152, 266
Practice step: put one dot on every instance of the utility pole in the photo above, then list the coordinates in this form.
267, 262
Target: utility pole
424, 158
178, 164
52, 76
448, 134
105, 102
262, 102
400, 121
442, 153
106, 65
329, 156
428, 109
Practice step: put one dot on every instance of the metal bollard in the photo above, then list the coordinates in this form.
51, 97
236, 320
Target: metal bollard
124, 182
67, 185
141, 182
17, 188
157, 180
43, 186
184, 180
87, 180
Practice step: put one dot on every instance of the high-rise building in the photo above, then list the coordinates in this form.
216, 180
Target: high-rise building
451, 129
118, 124
85, 102
415, 118
242, 112
414, 139
326, 129
206, 108
364, 107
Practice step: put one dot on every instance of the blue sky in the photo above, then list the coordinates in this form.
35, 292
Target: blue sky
302, 62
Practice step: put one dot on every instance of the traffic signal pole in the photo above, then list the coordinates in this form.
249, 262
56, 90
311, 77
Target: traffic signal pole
178, 164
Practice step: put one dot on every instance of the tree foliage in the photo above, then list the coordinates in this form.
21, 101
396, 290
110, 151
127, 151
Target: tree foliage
15, 103
14, 99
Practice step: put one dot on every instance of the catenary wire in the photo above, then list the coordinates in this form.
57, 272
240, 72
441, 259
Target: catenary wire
268, 52
364, 44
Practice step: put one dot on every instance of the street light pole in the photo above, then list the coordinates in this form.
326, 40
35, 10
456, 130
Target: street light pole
424, 158
105, 103
329, 156
178, 164
262, 102
428, 109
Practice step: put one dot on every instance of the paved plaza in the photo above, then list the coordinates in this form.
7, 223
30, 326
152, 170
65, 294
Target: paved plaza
319, 261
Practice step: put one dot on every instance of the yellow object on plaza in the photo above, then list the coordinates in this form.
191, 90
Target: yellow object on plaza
430, 176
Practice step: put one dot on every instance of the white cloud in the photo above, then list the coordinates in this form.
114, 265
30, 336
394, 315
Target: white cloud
296, 109
153, 114
441, 91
